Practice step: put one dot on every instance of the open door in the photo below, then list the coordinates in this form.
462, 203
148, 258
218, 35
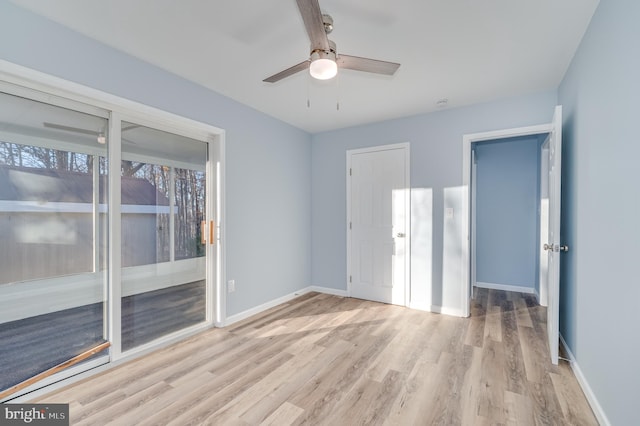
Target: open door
553, 246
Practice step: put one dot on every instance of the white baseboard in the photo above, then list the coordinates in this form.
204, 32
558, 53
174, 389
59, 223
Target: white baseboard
263, 307
420, 306
582, 381
328, 290
506, 287
447, 311
275, 302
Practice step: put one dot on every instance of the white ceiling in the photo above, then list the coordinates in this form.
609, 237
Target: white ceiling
467, 51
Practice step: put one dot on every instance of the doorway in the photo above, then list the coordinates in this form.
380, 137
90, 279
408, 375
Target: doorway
505, 201
552, 245
378, 223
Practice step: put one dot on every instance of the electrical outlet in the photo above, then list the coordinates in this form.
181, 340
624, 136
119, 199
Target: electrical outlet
231, 286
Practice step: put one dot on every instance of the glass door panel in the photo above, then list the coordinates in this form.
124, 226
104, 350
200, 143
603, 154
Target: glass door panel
190, 188
163, 254
53, 236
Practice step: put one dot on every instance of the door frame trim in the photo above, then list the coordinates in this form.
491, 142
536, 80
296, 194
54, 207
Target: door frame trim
465, 242
406, 147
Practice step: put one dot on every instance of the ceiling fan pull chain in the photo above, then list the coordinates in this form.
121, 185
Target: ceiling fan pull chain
338, 92
308, 97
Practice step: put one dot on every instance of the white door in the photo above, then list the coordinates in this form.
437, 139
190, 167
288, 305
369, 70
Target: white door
553, 246
544, 223
378, 236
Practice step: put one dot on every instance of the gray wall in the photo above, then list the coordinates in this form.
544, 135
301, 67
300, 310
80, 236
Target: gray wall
600, 204
507, 198
268, 161
436, 176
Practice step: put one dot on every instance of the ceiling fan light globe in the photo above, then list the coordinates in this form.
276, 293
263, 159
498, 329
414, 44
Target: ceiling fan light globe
323, 69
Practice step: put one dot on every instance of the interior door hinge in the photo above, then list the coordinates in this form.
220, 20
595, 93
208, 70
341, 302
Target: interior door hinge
350, 279
350, 171
350, 225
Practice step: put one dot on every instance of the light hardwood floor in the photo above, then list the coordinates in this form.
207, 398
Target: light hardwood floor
323, 359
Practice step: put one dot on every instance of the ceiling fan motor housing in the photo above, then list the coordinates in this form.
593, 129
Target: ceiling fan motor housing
323, 64
324, 54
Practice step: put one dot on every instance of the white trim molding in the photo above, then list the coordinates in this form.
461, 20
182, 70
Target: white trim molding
582, 381
280, 300
94, 98
420, 306
263, 307
327, 290
465, 237
506, 287
448, 311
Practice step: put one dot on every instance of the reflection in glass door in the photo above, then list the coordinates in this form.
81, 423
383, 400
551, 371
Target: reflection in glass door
53, 236
164, 231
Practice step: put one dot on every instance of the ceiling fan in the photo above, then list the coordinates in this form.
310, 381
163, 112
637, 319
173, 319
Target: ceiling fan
324, 61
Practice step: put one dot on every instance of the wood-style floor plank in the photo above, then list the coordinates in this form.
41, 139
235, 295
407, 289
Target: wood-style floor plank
574, 406
327, 360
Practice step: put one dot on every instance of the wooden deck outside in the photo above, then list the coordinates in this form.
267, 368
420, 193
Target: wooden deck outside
35, 344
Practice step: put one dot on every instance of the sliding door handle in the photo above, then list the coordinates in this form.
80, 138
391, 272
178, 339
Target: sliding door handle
212, 232
203, 232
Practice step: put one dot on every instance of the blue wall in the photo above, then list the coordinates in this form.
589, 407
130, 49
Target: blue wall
599, 284
268, 161
275, 226
436, 175
507, 194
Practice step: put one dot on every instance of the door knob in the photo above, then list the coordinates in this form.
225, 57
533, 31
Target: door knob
556, 248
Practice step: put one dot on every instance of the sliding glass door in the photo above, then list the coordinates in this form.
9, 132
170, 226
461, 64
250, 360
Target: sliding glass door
53, 235
108, 236
164, 234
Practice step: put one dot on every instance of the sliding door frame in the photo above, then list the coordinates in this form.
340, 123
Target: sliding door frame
213, 286
49, 89
27, 92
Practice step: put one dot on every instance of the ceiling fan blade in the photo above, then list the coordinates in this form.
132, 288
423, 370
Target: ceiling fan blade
286, 73
312, 17
70, 129
366, 64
